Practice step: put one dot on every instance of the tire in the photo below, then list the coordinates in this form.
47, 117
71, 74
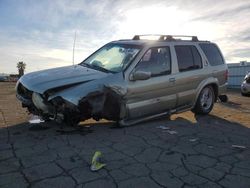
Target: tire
71, 119
205, 101
245, 95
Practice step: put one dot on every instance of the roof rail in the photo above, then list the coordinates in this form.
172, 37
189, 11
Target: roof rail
168, 37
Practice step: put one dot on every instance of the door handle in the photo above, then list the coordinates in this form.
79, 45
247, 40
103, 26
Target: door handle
171, 79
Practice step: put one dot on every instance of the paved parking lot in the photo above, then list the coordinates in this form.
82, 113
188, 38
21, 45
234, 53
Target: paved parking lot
140, 156
205, 151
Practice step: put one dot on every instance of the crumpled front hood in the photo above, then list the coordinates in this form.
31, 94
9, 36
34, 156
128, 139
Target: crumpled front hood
41, 81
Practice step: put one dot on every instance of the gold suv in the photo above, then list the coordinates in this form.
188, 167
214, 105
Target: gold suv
129, 81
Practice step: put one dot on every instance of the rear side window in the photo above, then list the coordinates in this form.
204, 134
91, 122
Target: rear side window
188, 58
213, 54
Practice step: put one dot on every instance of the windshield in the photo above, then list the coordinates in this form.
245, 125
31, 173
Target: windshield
112, 57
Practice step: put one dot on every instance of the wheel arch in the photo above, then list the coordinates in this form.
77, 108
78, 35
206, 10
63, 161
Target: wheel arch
213, 82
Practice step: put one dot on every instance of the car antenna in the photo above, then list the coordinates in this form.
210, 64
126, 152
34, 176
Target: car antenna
74, 43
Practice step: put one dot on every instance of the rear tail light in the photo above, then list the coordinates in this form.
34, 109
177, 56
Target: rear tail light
226, 75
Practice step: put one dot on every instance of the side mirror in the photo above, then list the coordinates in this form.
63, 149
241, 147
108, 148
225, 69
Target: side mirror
140, 75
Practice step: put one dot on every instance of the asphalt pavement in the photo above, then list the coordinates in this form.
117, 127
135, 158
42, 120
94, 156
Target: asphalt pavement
210, 152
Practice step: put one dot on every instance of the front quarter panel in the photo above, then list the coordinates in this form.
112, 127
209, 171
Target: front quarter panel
76, 93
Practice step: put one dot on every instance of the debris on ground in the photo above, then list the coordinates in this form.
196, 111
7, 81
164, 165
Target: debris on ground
238, 146
193, 139
35, 119
210, 147
171, 132
166, 129
163, 127
96, 162
37, 123
223, 98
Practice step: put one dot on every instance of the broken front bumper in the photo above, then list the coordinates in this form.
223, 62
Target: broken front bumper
25, 102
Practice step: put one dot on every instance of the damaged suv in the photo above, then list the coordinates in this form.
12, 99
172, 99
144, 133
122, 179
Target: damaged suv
129, 81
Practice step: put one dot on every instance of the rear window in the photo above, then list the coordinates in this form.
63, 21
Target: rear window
213, 54
188, 58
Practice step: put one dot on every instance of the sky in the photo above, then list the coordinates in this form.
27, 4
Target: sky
41, 32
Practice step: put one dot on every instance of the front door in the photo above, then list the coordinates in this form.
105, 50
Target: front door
156, 94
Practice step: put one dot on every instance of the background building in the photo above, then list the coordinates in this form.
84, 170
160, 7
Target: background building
237, 72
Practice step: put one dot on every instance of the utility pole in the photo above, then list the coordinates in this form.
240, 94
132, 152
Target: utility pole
73, 58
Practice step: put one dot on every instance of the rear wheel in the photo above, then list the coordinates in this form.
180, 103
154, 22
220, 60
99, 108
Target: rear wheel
205, 101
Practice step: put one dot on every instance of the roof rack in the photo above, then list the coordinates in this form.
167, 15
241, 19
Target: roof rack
168, 37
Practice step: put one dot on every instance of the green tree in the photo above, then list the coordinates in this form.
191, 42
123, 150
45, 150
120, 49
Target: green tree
21, 67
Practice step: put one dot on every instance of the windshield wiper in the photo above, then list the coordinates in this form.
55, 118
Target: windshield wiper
101, 69
97, 68
85, 65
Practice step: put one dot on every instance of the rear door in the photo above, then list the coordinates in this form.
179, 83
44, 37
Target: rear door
190, 75
156, 94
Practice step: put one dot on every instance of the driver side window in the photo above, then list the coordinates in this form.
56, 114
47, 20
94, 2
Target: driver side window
156, 60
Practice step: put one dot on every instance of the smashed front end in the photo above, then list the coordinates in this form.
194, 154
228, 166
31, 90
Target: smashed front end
38, 104
75, 102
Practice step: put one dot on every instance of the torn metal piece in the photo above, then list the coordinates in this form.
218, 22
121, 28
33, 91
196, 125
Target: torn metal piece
105, 103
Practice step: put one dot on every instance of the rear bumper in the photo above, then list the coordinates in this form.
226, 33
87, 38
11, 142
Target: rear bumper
245, 88
222, 89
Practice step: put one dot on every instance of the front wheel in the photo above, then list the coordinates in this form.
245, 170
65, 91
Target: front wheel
205, 101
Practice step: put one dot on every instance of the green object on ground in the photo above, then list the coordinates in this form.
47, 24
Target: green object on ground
96, 164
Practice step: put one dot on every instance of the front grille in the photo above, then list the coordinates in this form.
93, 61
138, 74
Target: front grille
24, 92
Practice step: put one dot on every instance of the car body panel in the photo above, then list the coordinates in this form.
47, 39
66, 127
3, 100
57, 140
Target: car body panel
146, 97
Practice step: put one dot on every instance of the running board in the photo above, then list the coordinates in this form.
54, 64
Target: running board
143, 119
140, 120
